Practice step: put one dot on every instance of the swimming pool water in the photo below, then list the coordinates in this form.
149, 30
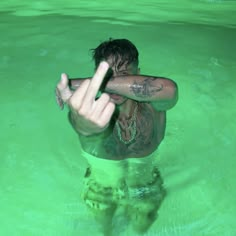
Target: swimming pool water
40, 167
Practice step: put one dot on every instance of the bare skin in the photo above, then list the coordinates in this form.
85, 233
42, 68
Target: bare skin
126, 99
94, 119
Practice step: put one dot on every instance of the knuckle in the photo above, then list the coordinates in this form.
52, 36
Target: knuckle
105, 97
83, 113
100, 124
71, 101
111, 105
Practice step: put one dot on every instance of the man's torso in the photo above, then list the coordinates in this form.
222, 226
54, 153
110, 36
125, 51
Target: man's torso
139, 139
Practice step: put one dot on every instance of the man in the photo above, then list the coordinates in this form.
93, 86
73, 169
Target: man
120, 117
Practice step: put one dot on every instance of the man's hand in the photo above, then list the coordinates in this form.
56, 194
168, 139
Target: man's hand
88, 114
63, 93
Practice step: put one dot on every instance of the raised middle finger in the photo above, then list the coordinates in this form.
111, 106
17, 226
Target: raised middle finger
96, 82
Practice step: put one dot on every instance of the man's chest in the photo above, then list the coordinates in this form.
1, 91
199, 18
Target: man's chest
134, 139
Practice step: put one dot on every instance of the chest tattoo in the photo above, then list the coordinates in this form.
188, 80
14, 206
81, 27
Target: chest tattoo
134, 138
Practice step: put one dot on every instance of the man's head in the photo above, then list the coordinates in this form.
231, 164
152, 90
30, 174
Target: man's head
121, 54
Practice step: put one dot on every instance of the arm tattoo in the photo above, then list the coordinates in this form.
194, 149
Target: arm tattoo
145, 88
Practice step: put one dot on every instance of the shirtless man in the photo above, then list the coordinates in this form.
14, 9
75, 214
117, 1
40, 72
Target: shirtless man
120, 117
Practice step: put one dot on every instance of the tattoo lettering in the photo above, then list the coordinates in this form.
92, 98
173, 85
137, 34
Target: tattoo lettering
145, 88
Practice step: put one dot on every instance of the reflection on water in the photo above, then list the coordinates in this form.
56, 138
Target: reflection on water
208, 12
41, 170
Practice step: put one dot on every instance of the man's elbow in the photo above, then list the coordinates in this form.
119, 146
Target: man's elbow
168, 97
175, 95
172, 95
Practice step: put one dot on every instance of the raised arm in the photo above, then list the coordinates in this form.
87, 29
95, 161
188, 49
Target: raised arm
162, 91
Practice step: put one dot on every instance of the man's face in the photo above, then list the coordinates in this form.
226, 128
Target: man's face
125, 69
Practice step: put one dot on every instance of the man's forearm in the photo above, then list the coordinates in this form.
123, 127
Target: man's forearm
141, 88
144, 88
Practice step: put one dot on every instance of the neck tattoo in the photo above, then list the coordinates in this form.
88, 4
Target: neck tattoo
132, 129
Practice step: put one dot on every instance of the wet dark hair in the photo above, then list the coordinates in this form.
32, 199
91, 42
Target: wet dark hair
117, 49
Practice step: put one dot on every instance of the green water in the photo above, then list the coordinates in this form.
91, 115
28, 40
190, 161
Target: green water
40, 167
